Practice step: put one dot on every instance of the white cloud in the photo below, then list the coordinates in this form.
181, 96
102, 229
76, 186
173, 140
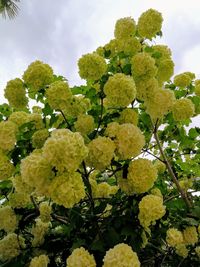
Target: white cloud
59, 32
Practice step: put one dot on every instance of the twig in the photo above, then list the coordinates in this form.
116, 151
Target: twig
65, 119
60, 219
100, 119
147, 151
182, 192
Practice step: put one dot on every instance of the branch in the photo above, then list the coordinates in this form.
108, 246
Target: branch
100, 119
60, 219
65, 119
147, 151
182, 192
88, 185
35, 204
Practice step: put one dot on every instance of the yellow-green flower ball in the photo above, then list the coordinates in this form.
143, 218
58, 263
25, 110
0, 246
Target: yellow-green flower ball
146, 88
8, 131
65, 150
182, 80
84, 124
160, 104
101, 152
37, 76
165, 70
149, 23
143, 66
174, 237
10, 246
141, 175
40, 261
80, 257
36, 171
128, 115
125, 28
129, 141
16, 94
120, 90
197, 90
151, 208
92, 66
58, 94
67, 189
190, 235
183, 109
121, 255
19, 118
8, 219
39, 138
182, 251
129, 46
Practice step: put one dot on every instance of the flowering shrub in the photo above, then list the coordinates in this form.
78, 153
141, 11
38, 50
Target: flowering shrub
103, 174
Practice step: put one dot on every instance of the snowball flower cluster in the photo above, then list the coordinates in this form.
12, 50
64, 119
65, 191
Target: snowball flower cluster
101, 152
182, 80
80, 257
141, 175
129, 46
146, 89
163, 51
165, 70
45, 211
39, 231
183, 109
174, 237
84, 124
36, 119
190, 235
197, 87
58, 95
102, 190
112, 129
182, 251
129, 141
6, 167
8, 219
92, 66
128, 115
40, 261
160, 166
16, 94
19, 200
8, 132
10, 246
151, 208
65, 150
67, 189
143, 66
37, 76
149, 23
19, 118
77, 106
160, 104
39, 137
121, 255
36, 171
120, 90
125, 28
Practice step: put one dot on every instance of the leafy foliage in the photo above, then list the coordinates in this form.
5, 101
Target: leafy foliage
70, 189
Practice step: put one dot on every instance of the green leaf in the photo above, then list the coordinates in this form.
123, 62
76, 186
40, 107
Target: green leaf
98, 245
47, 110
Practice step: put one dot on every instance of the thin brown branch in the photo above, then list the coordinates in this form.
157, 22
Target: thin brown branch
169, 168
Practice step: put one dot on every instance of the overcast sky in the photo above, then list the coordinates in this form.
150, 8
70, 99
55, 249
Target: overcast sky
59, 32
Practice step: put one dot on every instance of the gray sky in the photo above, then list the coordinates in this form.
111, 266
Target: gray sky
59, 32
